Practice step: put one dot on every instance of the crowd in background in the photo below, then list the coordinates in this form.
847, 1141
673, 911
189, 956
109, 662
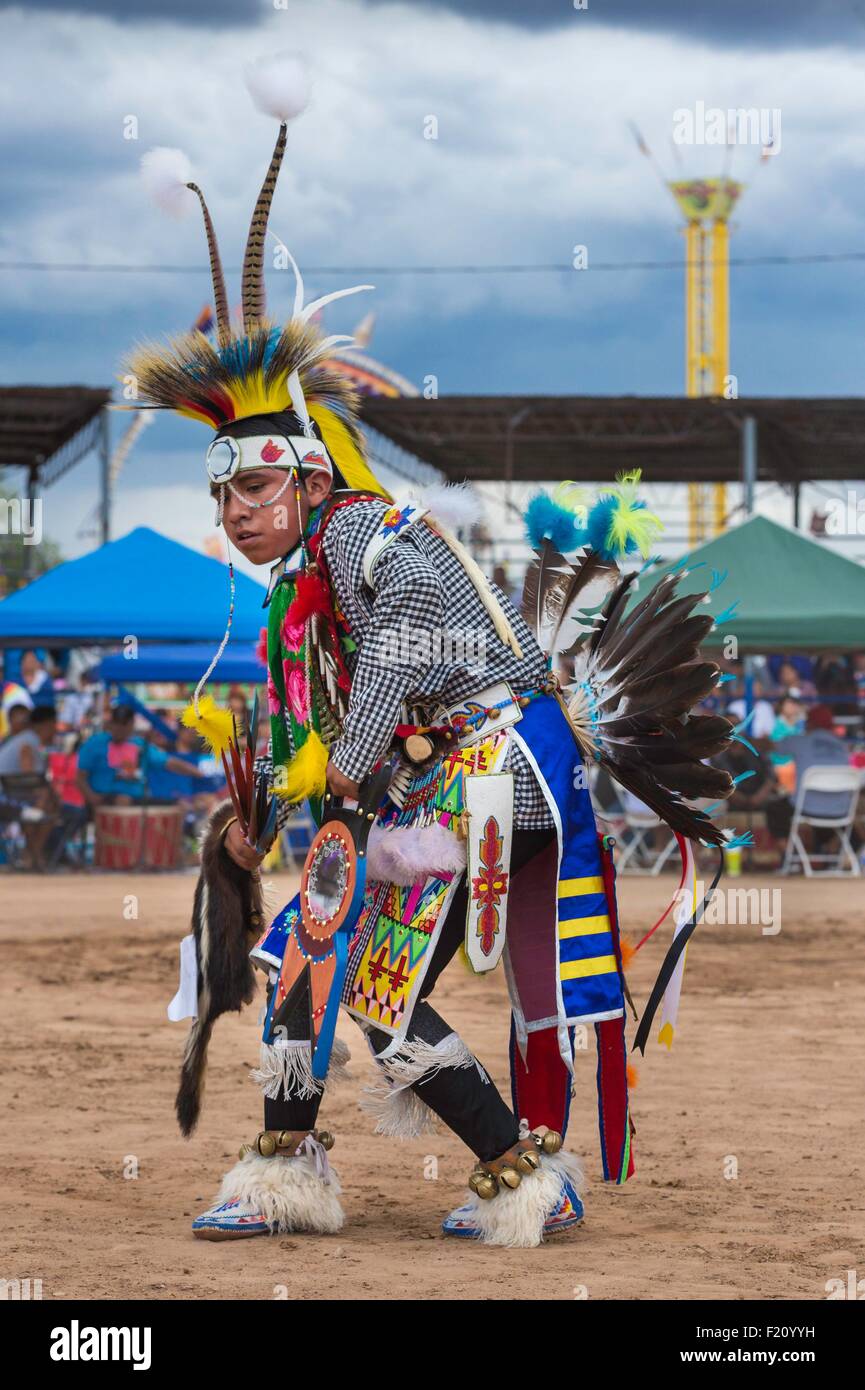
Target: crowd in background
68, 748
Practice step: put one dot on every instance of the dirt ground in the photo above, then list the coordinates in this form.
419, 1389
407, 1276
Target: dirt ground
765, 1079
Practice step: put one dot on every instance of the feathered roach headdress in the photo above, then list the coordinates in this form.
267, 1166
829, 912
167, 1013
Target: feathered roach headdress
255, 368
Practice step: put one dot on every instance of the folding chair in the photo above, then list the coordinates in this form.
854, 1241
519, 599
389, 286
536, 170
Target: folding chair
296, 838
637, 847
840, 781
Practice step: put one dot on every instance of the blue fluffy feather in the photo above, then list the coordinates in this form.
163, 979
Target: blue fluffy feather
546, 520
598, 529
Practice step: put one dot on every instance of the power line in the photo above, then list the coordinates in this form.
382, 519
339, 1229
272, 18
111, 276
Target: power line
95, 268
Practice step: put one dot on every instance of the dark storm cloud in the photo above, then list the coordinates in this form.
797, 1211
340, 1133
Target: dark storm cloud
213, 14
730, 23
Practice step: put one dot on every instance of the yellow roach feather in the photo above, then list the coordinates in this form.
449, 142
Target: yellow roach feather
345, 453
631, 522
251, 396
304, 776
214, 725
503, 628
572, 498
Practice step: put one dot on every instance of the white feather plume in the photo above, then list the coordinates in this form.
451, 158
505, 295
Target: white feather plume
279, 85
166, 173
455, 505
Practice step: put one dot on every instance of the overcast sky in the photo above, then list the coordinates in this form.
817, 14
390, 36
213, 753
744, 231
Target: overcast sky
533, 156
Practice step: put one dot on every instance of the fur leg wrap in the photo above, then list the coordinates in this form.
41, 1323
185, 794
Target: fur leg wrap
289, 1193
516, 1217
285, 1070
398, 1111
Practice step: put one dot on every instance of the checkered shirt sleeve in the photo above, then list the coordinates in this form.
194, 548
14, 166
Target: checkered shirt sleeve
423, 636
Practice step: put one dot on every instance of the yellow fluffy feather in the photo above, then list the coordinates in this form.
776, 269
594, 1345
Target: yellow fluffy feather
631, 522
304, 776
214, 725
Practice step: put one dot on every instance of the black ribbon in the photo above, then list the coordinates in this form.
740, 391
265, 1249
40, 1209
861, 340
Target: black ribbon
670, 962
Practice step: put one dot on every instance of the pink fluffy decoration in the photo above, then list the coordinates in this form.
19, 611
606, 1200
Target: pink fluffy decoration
411, 854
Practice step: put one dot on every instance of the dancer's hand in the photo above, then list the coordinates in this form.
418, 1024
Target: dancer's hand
238, 850
339, 784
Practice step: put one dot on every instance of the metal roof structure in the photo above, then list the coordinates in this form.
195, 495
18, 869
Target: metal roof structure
48, 429
589, 438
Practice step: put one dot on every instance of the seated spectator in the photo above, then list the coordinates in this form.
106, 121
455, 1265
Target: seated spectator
15, 709
762, 721
77, 701
792, 682
27, 749
24, 754
757, 792
790, 720
36, 679
168, 784
818, 746
114, 765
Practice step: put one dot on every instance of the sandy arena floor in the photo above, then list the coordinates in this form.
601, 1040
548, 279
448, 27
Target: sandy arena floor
100, 1188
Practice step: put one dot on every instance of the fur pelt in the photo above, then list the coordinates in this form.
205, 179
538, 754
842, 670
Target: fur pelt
287, 1192
227, 918
516, 1218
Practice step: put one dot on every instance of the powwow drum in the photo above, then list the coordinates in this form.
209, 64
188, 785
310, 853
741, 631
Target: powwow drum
163, 837
119, 834
138, 837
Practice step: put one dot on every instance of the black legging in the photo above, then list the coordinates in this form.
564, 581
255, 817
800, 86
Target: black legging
471, 1107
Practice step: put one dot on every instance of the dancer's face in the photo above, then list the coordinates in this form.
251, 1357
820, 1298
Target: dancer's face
265, 533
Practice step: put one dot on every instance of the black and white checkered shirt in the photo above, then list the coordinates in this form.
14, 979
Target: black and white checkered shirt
423, 638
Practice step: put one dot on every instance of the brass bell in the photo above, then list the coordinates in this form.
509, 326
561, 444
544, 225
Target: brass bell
486, 1187
325, 1138
244, 1150
418, 748
511, 1177
266, 1145
528, 1162
551, 1142
483, 1184
285, 1140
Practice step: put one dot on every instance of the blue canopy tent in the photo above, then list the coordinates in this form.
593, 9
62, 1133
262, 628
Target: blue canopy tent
143, 586
183, 662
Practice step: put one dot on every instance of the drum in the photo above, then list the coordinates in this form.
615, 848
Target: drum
119, 832
163, 837
138, 837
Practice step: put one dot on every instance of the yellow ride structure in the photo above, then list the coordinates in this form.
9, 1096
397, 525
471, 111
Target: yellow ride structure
706, 205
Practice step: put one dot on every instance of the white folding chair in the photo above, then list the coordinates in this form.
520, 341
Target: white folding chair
840, 781
637, 855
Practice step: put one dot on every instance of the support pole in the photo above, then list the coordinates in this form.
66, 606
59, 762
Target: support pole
104, 476
749, 481
749, 462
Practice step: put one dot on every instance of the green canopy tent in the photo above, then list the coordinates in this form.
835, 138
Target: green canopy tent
793, 593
